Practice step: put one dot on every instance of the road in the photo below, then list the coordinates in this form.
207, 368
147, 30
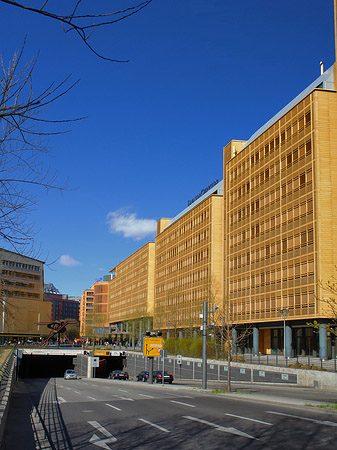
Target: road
111, 414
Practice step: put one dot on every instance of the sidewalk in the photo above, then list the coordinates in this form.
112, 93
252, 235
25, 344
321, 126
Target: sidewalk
282, 394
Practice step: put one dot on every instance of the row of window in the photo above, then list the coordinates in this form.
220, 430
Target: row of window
271, 249
187, 281
270, 198
271, 146
13, 273
20, 265
273, 275
272, 223
186, 228
270, 173
21, 294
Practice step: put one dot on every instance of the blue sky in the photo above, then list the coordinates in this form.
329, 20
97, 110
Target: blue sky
201, 72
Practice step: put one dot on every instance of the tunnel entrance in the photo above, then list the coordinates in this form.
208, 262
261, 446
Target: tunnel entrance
45, 366
107, 364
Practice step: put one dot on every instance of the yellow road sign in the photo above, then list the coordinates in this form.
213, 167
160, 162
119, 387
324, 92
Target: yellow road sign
152, 346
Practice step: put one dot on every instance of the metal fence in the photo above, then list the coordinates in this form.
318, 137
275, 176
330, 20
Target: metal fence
7, 377
296, 362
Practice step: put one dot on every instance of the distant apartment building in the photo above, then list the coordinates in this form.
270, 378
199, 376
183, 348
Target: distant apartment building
22, 307
86, 313
62, 306
100, 312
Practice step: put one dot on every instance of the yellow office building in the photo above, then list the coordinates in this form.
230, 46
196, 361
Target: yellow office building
189, 263
22, 307
280, 222
131, 292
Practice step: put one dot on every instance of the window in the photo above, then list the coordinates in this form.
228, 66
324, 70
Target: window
302, 180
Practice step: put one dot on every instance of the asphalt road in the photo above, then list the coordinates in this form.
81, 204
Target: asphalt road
111, 414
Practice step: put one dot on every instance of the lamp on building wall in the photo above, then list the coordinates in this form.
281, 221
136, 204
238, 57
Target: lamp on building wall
284, 313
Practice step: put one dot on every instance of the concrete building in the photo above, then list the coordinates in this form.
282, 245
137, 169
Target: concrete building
22, 306
62, 306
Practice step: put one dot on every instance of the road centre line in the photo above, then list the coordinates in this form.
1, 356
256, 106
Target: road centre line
92, 398
321, 422
248, 418
114, 407
182, 403
155, 425
230, 430
147, 396
122, 390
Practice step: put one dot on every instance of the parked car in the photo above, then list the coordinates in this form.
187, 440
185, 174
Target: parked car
158, 377
143, 376
119, 375
70, 374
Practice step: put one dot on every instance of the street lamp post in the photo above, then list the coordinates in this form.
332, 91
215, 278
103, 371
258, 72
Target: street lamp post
204, 341
284, 313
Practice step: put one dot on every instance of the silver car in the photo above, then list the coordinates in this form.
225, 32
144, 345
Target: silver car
70, 374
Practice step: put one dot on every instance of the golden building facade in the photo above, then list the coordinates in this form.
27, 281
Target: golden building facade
189, 263
280, 219
22, 307
86, 313
131, 289
100, 309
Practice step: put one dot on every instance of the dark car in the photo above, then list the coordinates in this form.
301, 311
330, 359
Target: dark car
158, 377
119, 375
142, 376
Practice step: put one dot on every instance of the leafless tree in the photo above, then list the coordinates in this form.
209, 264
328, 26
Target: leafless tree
80, 18
328, 300
23, 134
226, 327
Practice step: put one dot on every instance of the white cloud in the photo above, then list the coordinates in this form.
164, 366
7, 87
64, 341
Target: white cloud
121, 221
67, 260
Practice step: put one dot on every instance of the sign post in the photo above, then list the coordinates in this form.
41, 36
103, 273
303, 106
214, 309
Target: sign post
152, 347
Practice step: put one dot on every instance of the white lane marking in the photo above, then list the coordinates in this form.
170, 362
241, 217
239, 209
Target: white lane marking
61, 400
122, 390
321, 422
92, 398
230, 430
94, 385
248, 418
76, 392
114, 407
155, 425
123, 398
101, 442
88, 410
182, 403
147, 396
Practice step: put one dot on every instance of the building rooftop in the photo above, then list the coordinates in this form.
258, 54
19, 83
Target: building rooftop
324, 81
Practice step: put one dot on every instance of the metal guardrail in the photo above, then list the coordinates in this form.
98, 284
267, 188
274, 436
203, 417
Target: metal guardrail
6, 383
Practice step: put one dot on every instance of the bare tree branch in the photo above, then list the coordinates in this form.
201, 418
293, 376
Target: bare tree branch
81, 23
22, 146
